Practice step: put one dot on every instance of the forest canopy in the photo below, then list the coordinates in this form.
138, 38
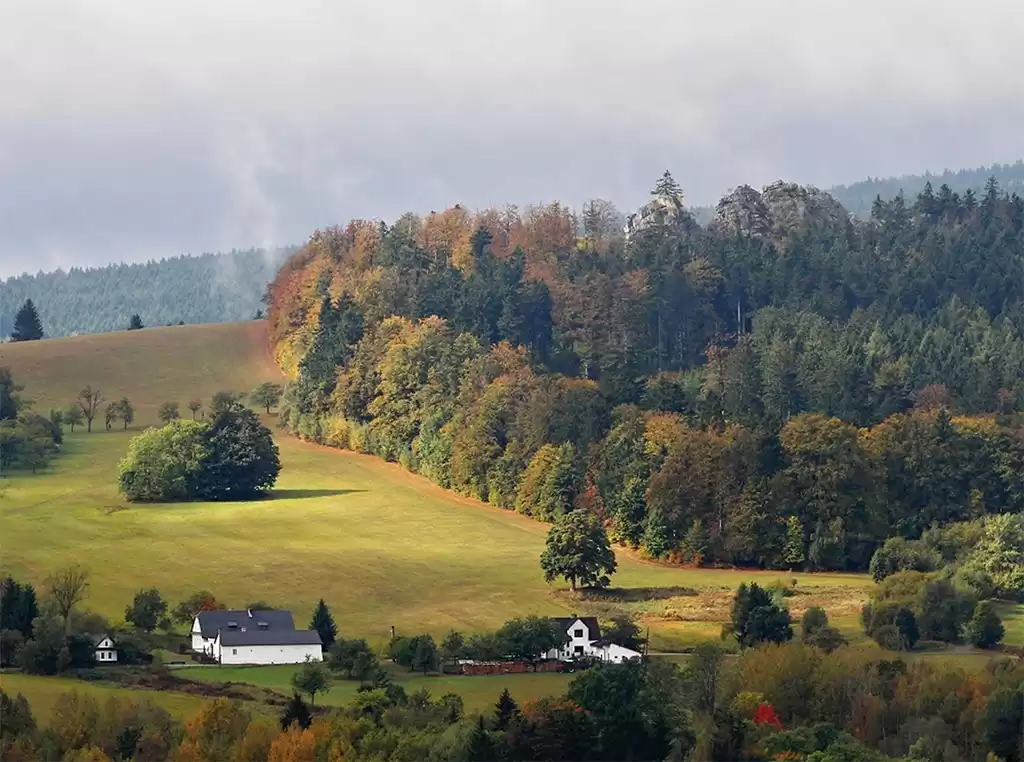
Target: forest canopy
785, 386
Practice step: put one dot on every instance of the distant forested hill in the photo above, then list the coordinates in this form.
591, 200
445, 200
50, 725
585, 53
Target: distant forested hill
858, 197
210, 288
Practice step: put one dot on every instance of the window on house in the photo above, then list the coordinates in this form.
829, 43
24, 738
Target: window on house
234, 652
578, 650
577, 633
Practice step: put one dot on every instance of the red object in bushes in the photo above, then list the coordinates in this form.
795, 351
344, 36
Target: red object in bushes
765, 715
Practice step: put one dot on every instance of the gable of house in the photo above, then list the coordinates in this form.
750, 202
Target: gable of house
579, 627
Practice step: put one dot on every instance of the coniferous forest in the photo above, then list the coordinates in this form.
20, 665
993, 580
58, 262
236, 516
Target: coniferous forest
787, 386
212, 288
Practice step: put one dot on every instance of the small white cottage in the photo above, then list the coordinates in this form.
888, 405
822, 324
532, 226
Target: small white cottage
254, 637
104, 649
583, 639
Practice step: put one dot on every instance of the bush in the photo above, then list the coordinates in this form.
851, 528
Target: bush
163, 465
232, 457
899, 554
985, 628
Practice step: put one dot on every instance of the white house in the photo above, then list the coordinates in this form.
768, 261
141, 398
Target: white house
254, 637
104, 650
584, 640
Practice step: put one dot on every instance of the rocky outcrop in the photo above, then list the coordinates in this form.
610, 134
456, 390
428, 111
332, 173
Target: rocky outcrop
742, 212
791, 206
664, 211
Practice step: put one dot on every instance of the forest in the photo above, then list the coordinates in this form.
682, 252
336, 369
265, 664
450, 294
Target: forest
786, 387
211, 288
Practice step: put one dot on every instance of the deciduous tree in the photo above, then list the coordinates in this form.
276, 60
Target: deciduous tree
577, 548
89, 400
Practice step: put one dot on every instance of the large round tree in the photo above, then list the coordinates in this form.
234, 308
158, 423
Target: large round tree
577, 549
241, 457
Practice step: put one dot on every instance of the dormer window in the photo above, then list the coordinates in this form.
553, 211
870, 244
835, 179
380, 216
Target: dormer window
232, 625
263, 625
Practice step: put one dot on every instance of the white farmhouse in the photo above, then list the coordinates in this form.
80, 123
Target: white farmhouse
584, 640
254, 637
104, 650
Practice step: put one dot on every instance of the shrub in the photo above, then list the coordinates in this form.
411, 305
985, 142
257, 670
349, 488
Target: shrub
985, 628
162, 465
899, 554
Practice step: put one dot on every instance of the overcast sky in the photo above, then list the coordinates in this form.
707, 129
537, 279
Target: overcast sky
134, 129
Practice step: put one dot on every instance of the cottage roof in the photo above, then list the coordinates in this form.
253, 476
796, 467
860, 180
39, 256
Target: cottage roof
211, 621
99, 638
253, 637
566, 623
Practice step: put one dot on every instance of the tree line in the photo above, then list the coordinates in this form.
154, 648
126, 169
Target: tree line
789, 701
787, 387
210, 288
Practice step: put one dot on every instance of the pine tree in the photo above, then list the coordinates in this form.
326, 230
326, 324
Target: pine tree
505, 710
667, 187
135, 323
793, 549
323, 623
695, 543
481, 748
27, 326
296, 711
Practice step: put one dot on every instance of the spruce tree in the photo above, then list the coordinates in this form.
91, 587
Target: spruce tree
793, 550
667, 187
480, 747
323, 623
296, 711
135, 323
505, 710
27, 326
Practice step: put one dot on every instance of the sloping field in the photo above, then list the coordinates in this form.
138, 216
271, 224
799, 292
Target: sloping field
150, 366
382, 546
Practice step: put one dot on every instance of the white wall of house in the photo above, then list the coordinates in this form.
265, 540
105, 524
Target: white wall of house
269, 654
616, 654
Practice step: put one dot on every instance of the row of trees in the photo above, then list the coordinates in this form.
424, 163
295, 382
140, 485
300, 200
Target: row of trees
51, 633
790, 701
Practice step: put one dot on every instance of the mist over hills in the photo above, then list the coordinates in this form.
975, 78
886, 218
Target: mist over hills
209, 288
223, 287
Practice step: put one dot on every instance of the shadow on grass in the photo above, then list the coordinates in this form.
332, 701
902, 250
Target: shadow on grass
635, 594
304, 494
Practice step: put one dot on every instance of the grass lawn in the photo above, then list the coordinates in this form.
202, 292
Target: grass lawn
382, 546
42, 694
478, 693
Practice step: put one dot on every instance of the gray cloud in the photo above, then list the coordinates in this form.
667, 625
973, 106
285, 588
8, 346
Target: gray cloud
133, 130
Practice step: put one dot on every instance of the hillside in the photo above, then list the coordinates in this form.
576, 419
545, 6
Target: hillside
383, 546
212, 288
773, 389
149, 367
858, 197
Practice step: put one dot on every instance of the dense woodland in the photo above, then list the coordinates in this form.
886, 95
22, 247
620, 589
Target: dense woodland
786, 387
212, 288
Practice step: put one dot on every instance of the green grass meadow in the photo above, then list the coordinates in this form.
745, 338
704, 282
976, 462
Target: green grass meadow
382, 546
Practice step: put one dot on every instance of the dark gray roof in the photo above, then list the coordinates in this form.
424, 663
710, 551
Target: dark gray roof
211, 621
253, 637
565, 622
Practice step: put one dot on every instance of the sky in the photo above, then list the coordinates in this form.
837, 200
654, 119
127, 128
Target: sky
134, 130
